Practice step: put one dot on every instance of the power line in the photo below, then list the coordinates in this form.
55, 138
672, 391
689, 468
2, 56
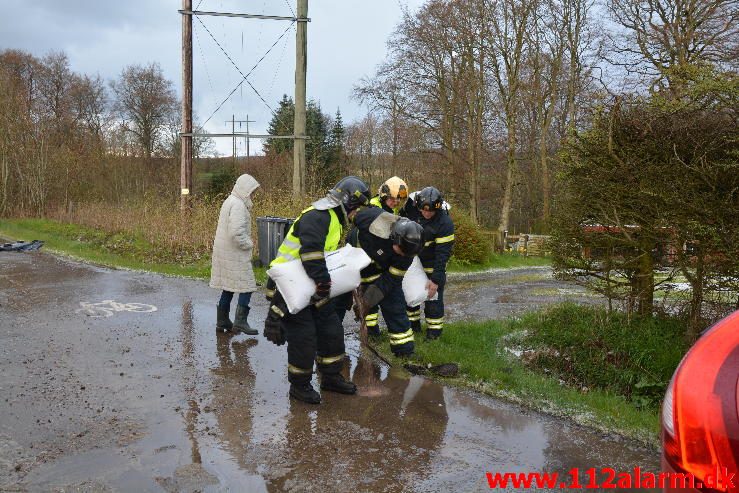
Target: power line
244, 77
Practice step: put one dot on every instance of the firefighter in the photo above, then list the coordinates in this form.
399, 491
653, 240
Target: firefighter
315, 332
391, 242
391, 195
390, 198
427, 208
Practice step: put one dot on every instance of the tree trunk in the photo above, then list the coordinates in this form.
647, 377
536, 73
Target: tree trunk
505, 211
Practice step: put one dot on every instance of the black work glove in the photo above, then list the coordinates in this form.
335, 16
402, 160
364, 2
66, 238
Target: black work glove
372, 296
273, 330
321, 296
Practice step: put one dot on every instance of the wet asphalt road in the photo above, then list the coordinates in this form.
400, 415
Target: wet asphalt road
155, 401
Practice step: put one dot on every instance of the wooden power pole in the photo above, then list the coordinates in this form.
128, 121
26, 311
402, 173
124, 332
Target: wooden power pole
300, 73
186, 135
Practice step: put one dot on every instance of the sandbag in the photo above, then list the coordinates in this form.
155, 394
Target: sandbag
414, 284
297, 288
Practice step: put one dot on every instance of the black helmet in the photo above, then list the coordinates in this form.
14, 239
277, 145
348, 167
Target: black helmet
408, 235
429, 199
352, 192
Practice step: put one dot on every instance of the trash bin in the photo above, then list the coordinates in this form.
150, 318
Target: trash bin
270, 233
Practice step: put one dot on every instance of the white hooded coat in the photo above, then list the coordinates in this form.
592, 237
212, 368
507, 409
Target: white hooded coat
233, 247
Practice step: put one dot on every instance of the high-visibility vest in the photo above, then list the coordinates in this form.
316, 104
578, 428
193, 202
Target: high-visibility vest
290, 247
376, 202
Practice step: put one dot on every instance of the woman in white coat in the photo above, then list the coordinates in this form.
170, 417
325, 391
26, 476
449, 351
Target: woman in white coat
231, 270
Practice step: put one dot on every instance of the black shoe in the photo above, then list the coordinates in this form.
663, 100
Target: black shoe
432, 334
305, 392
335, 382
373, 331
223, 323
240, 322
416, 325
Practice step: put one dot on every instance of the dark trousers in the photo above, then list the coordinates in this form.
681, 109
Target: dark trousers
394, 313
314, 334
398, 325
227, 296
433, 310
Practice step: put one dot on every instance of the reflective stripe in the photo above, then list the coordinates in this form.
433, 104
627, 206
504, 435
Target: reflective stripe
428, 270
371, 278
435, 320
371, 316
285, 257
413, 312
371, 323
277, 311
428, 243
290, 244
311, 256
299, 371
290, 248
402, 338
397, 272
327, 360
271, 292
413, 318
445, 239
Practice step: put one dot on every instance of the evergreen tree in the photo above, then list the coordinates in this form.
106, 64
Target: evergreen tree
282, 123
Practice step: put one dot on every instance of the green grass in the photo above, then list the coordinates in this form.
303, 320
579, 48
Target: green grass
485, 365
109, 249
498, 261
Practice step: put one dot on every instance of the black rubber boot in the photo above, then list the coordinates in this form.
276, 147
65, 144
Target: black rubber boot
334, 382
305, 392
416, 325
223, 323
432, 334
373, 331
240, 322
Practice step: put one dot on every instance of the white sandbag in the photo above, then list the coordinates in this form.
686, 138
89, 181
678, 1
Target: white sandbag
414, 284
297, 288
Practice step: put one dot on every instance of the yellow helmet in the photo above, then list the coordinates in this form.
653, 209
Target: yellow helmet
394, 187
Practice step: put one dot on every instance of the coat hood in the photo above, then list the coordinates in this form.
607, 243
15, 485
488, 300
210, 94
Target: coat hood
245, 186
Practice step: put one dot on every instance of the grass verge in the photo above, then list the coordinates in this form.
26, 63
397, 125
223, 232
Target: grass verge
123, 248
575, 362
498, 261
118, 250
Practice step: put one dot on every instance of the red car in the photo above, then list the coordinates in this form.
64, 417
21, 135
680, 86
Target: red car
700, 413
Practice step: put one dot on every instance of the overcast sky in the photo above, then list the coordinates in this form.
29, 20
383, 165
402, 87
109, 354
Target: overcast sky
346, 41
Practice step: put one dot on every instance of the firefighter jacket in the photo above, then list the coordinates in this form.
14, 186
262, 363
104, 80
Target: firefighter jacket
313, 233
387, 267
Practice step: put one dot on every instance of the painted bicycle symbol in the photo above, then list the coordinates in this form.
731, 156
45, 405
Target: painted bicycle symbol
107, 308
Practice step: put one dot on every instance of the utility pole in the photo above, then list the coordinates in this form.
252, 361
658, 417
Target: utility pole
186, 136
300, 74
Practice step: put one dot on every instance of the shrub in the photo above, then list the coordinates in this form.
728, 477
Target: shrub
587, 346
470, 244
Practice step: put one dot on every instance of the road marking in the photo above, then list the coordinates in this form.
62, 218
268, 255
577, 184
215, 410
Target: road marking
107, 308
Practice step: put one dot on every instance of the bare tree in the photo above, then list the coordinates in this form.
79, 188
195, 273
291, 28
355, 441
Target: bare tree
510, 22
661, 35
144, 101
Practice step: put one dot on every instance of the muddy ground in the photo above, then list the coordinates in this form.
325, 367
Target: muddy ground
126, 398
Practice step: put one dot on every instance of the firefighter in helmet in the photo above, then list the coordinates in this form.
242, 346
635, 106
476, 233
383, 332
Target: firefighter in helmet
390, 198
315, 333
427, 208
391, 242
391, 195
